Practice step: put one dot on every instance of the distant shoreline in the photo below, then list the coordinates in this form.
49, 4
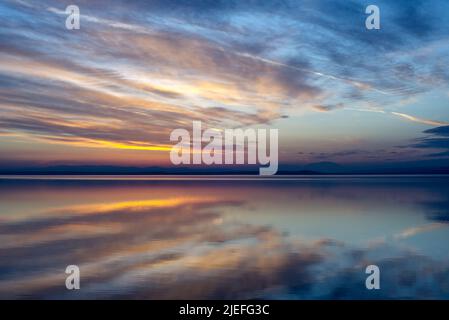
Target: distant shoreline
313, 169
203, 177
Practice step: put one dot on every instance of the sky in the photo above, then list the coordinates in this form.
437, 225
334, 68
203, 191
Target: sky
111, 92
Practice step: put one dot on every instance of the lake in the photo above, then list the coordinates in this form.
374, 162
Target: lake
295, 237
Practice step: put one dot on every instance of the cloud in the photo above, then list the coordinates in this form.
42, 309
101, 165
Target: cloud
327, 108
411, 232
149, 67
420, 120
440, 131
437, 139
203, 81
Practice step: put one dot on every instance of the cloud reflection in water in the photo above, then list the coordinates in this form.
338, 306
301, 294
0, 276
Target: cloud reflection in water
205, 239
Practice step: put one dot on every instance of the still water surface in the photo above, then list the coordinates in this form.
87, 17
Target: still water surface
224, 238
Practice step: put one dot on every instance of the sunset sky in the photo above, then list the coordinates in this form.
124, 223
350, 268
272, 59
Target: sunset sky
111, 92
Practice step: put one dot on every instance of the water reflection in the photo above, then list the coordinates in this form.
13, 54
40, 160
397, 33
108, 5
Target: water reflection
292, 239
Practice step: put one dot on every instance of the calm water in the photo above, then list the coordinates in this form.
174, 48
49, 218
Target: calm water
163, 238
